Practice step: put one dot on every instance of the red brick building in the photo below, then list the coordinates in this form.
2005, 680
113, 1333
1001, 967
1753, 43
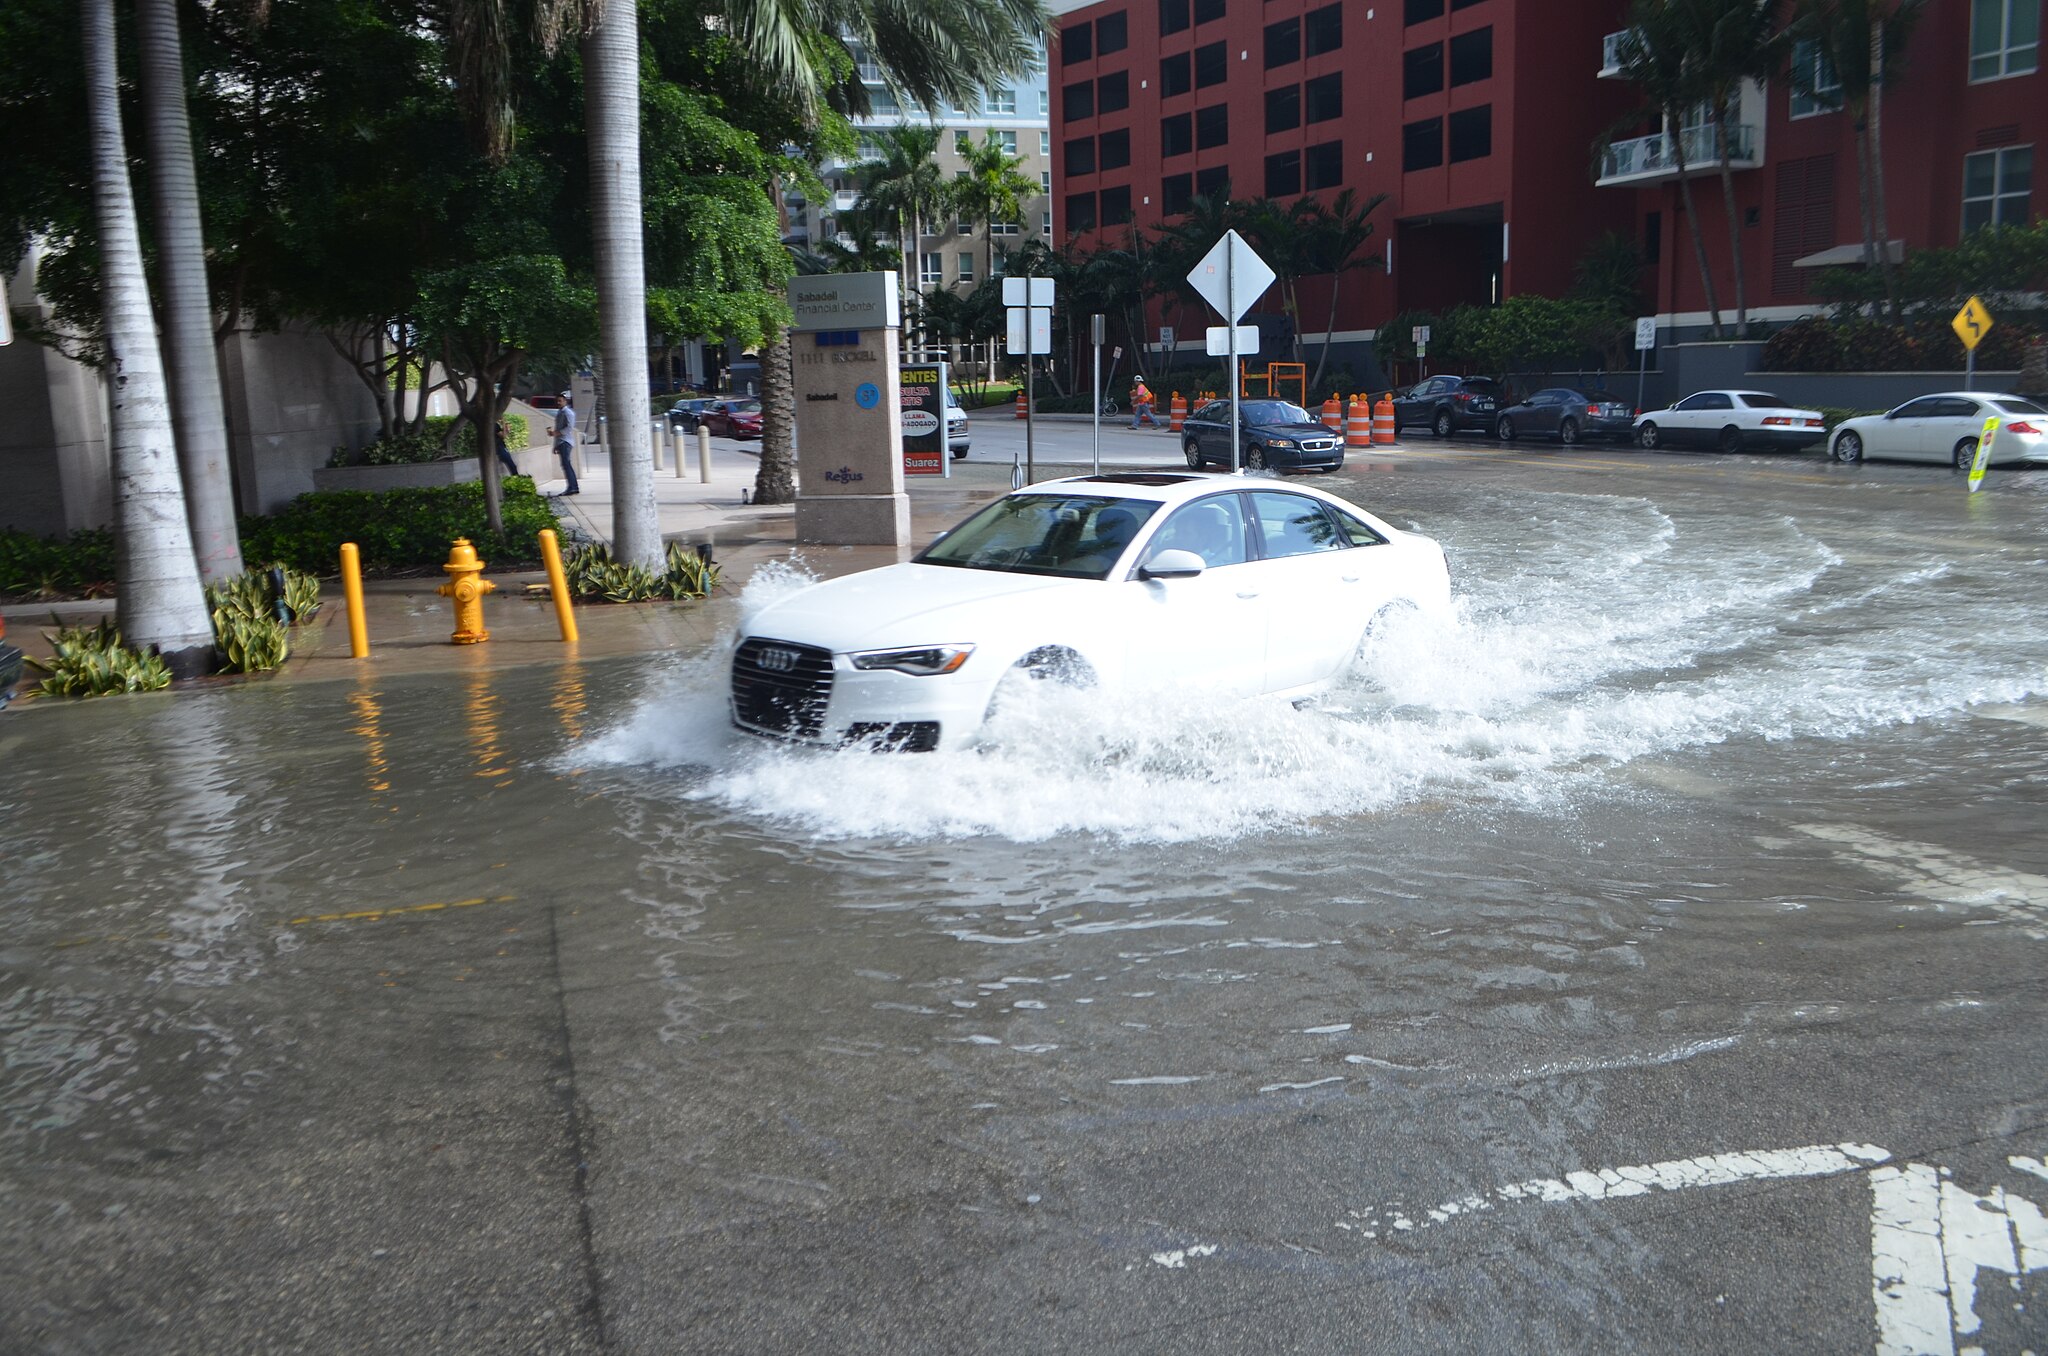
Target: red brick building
1480, 119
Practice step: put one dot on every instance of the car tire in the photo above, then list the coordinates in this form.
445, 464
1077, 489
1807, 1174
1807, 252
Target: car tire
1568, 432
959, 454
1376, 627
1505, 429
1849, 449
1255, 459
1192, 450
1965, 453
1444, 425
1646, 437
1730, 439
1047, 664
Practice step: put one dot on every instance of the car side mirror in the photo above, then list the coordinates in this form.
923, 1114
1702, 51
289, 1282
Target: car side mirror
1173, 565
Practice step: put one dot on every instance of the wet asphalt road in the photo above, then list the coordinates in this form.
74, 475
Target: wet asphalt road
526, 1010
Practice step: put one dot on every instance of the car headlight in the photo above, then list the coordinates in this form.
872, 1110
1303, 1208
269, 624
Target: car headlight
1279, 444
922, 660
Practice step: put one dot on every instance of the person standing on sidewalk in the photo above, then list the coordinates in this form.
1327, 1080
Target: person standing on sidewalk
1141, 404
505, 452
565, 442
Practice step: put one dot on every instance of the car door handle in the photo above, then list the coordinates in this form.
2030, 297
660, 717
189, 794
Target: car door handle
1253, 594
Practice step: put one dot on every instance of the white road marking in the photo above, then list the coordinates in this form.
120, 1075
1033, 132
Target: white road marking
1929, 1239
1945, 877
1156, 1079
1178, 1258
1297, 1087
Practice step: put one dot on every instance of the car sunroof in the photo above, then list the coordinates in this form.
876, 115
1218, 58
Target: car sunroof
1136, 478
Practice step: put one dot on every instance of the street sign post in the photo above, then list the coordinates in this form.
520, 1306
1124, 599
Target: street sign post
1646, 339
1971, 324
1097, 332
1030, 317
1230, 278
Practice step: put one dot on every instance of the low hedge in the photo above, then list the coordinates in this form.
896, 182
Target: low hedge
1817, 344
397, 530
36, 569
430, 444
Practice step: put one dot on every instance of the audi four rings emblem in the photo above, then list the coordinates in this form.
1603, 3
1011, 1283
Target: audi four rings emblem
778, 661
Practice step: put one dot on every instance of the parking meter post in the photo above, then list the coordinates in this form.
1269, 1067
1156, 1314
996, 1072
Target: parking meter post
352, 592
558, 584
703, 454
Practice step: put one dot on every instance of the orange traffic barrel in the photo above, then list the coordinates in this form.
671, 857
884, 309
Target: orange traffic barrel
1358, 425
1332, 419
1022, 411
1383, 419
1176, 411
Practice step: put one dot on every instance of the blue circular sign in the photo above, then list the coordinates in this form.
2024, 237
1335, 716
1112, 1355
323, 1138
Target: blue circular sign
867, 395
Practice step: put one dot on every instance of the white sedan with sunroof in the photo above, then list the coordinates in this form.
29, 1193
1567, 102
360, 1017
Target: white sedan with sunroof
1162, 580
1732, 421
1944, 428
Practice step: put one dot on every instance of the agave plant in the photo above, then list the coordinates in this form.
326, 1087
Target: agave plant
250, 644
93, 662
690, 574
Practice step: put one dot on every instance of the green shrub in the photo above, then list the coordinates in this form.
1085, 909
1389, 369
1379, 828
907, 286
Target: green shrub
93, 662
592, 573
406, 529
247, 631
42, 568
1859, 344
430, 444
1809, 344
250, 644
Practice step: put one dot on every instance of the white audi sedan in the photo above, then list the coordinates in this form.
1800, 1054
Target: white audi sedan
1943, 428
1732, 421
1129, 580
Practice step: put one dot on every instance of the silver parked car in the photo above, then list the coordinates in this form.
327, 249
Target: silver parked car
1943, 429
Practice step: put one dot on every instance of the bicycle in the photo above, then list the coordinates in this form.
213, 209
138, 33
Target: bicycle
1108, 408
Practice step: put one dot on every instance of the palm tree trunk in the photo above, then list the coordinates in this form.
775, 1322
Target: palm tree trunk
1329, 328
775, 481
197, 410
1734, 225
1863, 194
161, 604
1692, 222
1884, 249
611, 77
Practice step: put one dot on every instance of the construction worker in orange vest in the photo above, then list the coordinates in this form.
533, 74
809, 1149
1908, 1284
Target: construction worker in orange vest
1141, 404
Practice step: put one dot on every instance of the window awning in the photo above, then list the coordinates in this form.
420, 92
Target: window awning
1843, 256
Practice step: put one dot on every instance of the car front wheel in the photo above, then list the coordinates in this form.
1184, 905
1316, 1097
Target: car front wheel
1646, 437
1255, 458
1444, 427
1731, 439
1849, 448
1965, 453
1568, 432
1505, 429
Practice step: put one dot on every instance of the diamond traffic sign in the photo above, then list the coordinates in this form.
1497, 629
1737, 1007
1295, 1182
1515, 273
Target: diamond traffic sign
1231, 277
1972, 323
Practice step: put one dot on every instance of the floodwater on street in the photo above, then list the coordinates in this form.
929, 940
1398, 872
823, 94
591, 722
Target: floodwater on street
538, 1009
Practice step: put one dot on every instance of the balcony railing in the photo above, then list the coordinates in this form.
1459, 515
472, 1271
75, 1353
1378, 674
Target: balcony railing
1610, 54
1656, 157
845, 199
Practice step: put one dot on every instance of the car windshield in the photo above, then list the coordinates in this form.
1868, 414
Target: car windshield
1070, 535
1273, 412
746, 407
1757, 400
2019, 407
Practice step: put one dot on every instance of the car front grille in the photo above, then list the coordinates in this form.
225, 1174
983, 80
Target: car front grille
1318, 444
781, 687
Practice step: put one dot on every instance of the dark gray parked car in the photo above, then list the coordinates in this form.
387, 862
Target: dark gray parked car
1567, 415
1447, 405
1276, 435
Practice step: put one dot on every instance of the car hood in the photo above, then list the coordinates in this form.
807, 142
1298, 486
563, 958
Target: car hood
901, 605
1291, 430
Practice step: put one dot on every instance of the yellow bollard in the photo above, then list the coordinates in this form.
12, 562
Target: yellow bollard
352, 590
558, 584
467, 586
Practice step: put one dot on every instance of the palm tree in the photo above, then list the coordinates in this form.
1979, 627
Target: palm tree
162, 605
1656, 54
993, 190
1863, 44
1336, 239
906, 184
198, 412
1733, 41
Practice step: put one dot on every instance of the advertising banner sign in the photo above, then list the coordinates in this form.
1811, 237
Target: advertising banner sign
923, 397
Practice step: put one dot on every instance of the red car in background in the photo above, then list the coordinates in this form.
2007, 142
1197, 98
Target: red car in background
732, 418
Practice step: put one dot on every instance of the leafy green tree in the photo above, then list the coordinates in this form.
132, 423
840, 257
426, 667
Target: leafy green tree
1609, 281
1338, 236
993, 190
905, 185
1732, 42
1657, 55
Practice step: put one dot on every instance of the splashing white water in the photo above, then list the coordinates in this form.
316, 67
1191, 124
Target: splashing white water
1591, 633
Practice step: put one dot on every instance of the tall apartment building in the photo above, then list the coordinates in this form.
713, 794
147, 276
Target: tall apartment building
951, 253
1479, 119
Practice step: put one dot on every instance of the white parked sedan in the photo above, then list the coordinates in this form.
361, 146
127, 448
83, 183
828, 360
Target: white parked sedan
1731, 421
1943, 428
1134, 580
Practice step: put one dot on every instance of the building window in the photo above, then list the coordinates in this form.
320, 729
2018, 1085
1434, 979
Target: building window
1080, 213
2005, 38
1176, 75
1323, 166
1044, 103
931, 269
1045, 143
1472, 56
1283, 109
1811, 70
1653, 237
963, 226
1283, 174
967, 266
1077, 43
1212, 126
1174, 193
1213, 183
1113, 93
1045, 182
1283, 43
1173, 18
1112, 33
1116, 150
1462, 4
1046, 229
1212, 64
1005, 227
1080, 156
1996, 186
1422, 144
1008, 141
1208, 11
1077, 101
998, 265
1419, 11
1176, 135
1324, 97
1422, 71
1472, 133
1116, 206
1323, 29
963, 142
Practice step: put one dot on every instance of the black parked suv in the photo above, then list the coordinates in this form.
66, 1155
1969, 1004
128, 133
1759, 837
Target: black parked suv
1448, 405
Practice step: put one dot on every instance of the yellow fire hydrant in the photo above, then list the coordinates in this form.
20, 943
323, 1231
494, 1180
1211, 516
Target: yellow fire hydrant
467, 587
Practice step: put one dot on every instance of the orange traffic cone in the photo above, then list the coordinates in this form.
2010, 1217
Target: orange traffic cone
1332, 420
1176, 411
1383, 420
1022, 412
1358, 424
